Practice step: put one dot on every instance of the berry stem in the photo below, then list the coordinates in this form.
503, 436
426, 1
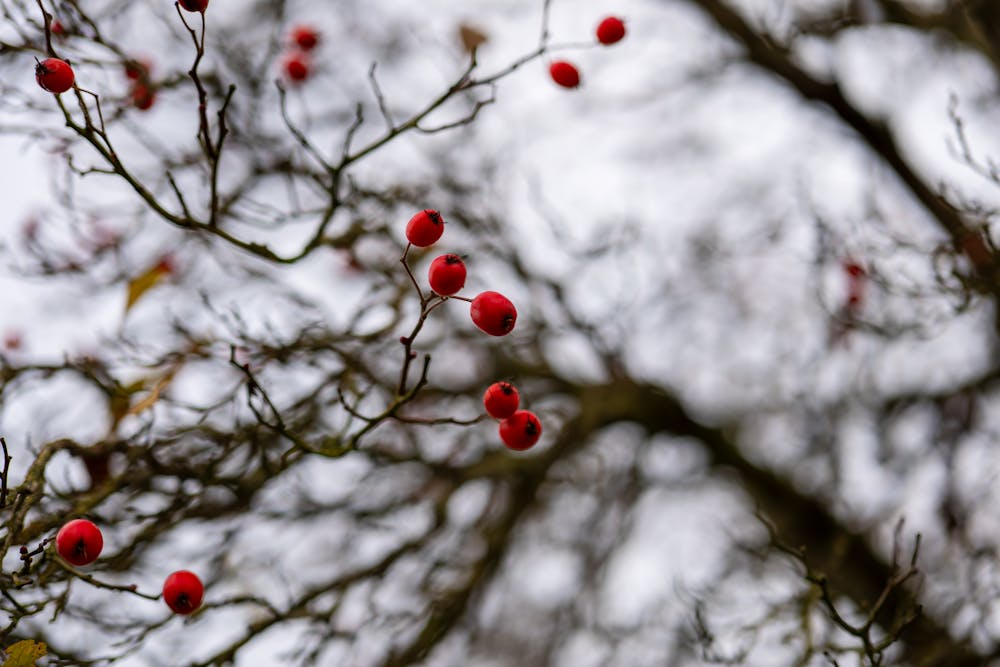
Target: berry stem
204, 138
47, 20
425, 309
4, 476
427, 304
413, 280
90, 579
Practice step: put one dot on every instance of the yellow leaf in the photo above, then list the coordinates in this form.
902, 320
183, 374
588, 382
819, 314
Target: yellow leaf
24, 654
148, 279
154, 393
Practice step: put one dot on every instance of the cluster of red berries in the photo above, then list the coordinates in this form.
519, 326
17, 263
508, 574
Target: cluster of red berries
609, 31
492, 312
297, 63
856, 280
142, 92
519, 429
80, 542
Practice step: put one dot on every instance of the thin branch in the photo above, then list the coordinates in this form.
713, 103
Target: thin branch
5, 475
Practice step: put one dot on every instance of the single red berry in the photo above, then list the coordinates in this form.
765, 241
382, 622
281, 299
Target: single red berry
493, 313
54, 75
521, 430
57, 28
610, 30
501, 400
143, 96
167, 264
565, 74
194, 5
297, 66
183, 592
79, 542
137, 70
425, 228
305, 37
13, 340
853, 269
447, 274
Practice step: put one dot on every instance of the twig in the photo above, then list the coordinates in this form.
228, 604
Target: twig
4, 476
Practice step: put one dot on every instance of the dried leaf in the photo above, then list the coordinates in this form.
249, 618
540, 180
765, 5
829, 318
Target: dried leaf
120, 401
154, 393
148, 279
472, 37
24, 653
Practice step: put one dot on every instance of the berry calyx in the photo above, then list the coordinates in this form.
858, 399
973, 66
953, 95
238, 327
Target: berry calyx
297, 67
501, 400
447, 274
305, 37
493, 313
183, 592
425, 228
54, 75
565, 74
194, 5
79, 542
521, 430
610, 30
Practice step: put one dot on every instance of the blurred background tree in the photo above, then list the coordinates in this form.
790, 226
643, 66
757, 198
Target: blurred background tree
755, 267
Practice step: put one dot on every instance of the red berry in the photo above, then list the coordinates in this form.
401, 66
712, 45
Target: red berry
565, 74
855, 283
297, 67
610, 30
447, 274
13, 340
194, 5
183, 592
425, 228
853, 269
167, 264
521, 430
305, 37
54, 75
501, 400
143, 96
57, 28
79, 542
137, 70
493, 313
